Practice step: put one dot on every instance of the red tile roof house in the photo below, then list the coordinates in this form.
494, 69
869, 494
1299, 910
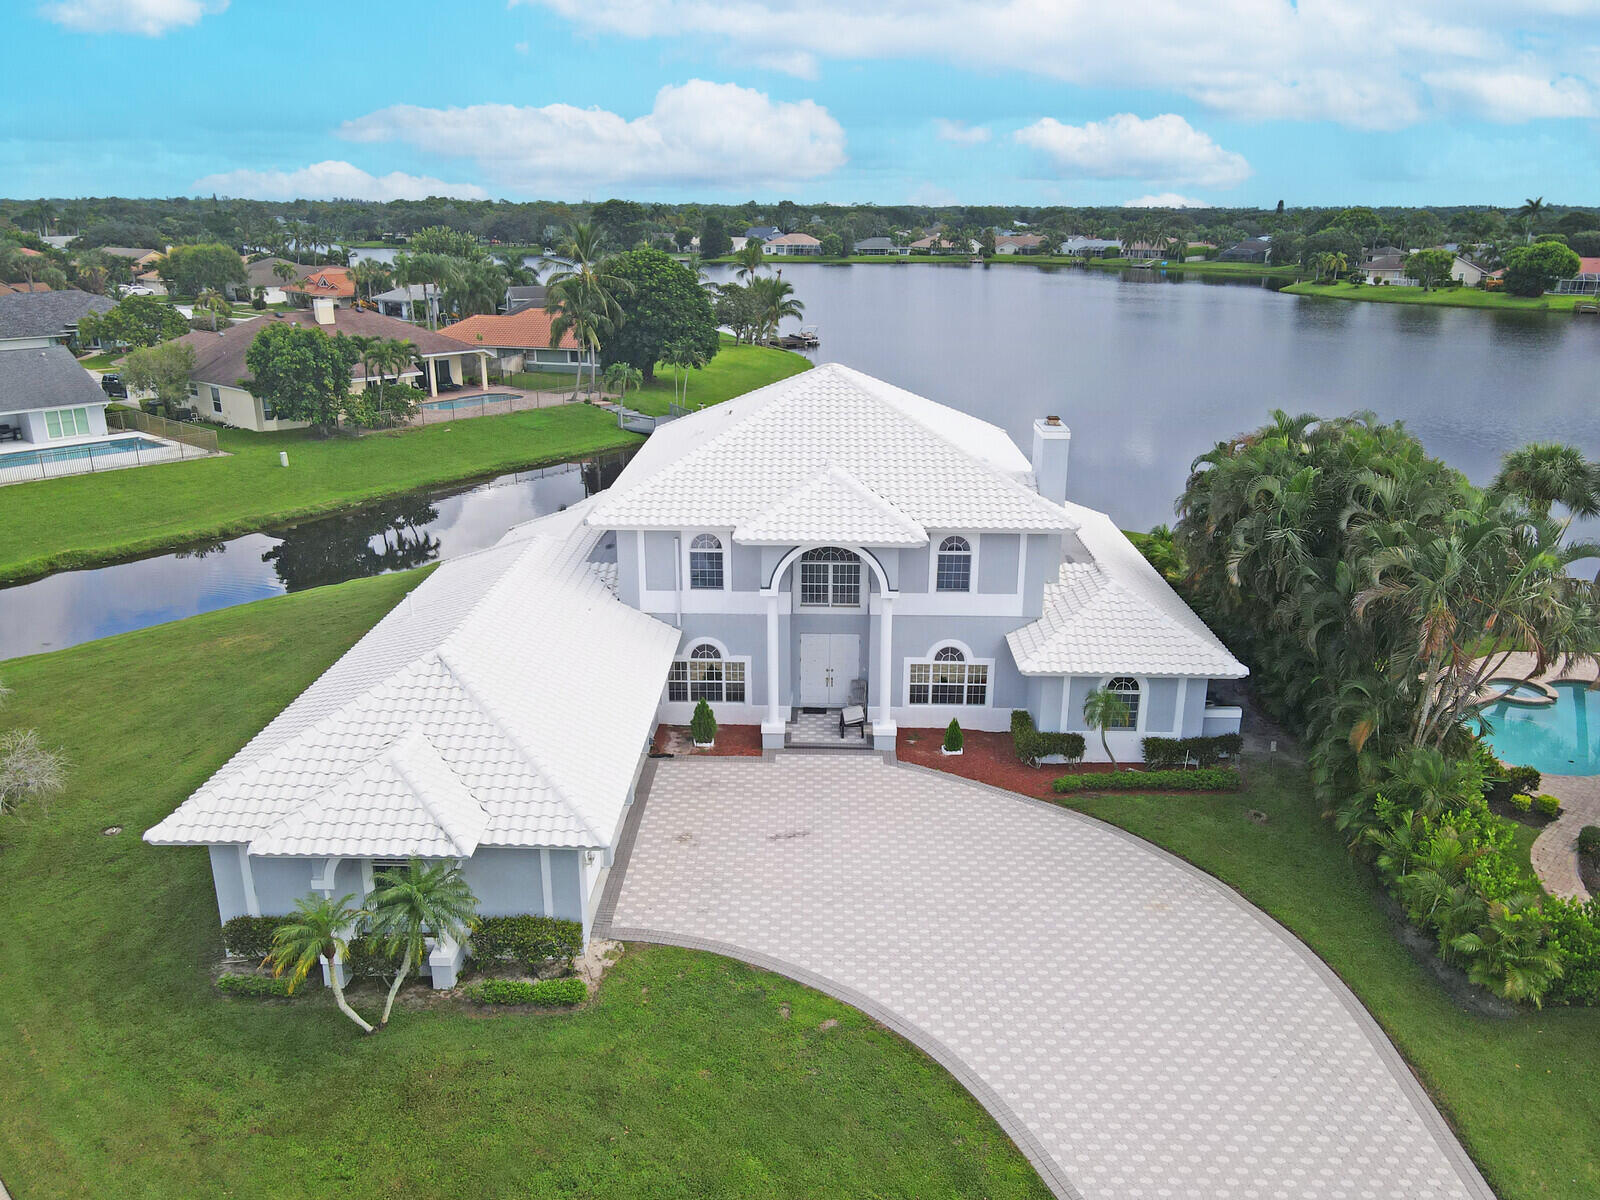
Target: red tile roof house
216, 384
520, 341
791, 245
1585, 283
333, 282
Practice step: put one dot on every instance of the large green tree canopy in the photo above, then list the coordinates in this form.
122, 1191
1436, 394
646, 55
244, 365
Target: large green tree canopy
302, 373
666, 306
1533, 270
190, 270
135, 321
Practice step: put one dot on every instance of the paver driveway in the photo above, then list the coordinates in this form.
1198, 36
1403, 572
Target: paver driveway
1137, 1028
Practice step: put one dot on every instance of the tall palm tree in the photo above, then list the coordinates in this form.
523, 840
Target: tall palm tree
750, 258
366, 347
1103, 709
1530, 212
587, 310
435, 272
285, 271
213, 302
410, 906
320, 929
774, 300
370, 276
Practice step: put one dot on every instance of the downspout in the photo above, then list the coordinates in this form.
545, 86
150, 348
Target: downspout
677, 580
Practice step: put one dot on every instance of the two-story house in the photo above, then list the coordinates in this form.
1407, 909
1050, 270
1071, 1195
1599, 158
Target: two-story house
824, 541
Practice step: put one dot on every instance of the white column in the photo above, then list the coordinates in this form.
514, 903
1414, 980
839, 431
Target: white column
483, 369
883, 725
433, 377
773, 727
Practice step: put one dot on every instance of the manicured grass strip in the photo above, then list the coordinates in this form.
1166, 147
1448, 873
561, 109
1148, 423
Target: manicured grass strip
126, 1073
87, 519
1460, 297
1520, 1091
734, 371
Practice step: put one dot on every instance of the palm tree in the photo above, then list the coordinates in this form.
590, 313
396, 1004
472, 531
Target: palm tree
439, 272
1546, 473
1103, 709
365, 347
587, 311
622, 376
1531, 210
683, 357
750, 258
774, 301
479, 287
213, 302
319, 929
370, 276
410, 906
391, 356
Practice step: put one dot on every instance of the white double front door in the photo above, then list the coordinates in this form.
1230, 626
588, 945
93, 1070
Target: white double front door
829, 662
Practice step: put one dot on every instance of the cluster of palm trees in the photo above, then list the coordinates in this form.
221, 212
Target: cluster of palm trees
406, 909
582, 297
384, 360
1167, 240
755, 304
1375, 592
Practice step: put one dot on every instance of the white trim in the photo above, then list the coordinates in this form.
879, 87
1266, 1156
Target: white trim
1022, 562
545, 883
367, 882
971, 660
324, 884
252, 905
789, 559
935, 540
1183, 697
1144, 701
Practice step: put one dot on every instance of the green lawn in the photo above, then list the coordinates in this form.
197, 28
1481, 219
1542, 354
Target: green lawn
99, 362
734, 371
1520, 1092
1459, 297
125, 1074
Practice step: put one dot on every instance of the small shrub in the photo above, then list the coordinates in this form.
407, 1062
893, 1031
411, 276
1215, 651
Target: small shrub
1575, 933
1031, 745
1202, 779
527, 939
1161, 752
1547, 805
953, 738
1524, 779
1522, 802
253, 985
250, 937
1589, 841
552, 993
703, 725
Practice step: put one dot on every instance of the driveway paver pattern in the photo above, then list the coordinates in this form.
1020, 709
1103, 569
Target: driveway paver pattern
1138, 1029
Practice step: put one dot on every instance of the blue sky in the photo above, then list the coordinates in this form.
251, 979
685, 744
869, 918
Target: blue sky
935, 101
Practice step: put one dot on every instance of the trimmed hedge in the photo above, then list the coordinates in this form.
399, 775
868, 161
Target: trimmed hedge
1203, 779
552, 993
1547, 805
250, 937
253, 985
1163, 752
1522, 802
1031, 745
527, 939
1589, 841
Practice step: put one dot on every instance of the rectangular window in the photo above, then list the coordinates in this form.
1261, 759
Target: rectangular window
955, 573
67, 422
948, 683
716, 681
921, 674
216, 398
814, 583
847, 585
705, 570
678, 682
268, 413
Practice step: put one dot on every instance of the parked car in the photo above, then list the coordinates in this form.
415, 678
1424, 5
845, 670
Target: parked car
138, 289
112, 385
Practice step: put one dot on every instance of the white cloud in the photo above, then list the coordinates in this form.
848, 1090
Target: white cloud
1363, 63
698, 133
151, 18
1163, 149
1165, 200
959, 132
1512, 96
332, 180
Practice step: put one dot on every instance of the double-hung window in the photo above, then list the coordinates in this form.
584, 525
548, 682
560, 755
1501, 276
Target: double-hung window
949, 678
706, 563
1128, 691
706, 675
953, 572
830, 578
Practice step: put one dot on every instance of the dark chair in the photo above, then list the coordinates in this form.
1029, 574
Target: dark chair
10, 433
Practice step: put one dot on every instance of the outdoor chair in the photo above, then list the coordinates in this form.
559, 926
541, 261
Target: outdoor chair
10, 433
855, 712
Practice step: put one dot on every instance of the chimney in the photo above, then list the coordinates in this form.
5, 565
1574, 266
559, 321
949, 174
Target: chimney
1051, 441
322, 309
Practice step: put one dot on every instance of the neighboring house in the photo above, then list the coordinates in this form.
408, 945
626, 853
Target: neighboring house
1017, 243
790, 245
332, 283
736, 244
409, 302
1585, 283
13, 289
216, 384
524, 295
1251, 250
1143, 250
520, 341
263, 274
1088, 247
762, 233
144, 261
939, 245
824, 540
1388, 269
45, 318
881, 246
46, 397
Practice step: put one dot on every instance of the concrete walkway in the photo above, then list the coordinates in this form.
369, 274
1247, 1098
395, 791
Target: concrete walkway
1137, 1028
1555, 851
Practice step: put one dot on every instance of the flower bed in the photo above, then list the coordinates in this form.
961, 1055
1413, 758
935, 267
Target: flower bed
733, 741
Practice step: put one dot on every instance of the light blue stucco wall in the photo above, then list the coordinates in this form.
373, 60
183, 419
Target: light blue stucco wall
281, 881
1194, 708
630, 569
997, 563
744, 569
506, 881
1161, 705
660, 569
1043, 565
913, 566
228, 879
985, 637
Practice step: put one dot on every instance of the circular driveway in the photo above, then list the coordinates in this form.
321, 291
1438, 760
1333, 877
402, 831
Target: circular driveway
1137, 1028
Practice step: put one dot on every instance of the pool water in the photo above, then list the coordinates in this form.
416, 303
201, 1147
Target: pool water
477, 400
1516, 689
1559, 739
50, 454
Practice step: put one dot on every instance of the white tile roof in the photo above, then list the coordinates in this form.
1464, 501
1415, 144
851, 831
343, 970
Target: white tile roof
505, 702
1116, 615
735, 462
832, 505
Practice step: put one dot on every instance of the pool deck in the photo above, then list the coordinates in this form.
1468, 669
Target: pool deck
498, 401
165, 451
1555, 852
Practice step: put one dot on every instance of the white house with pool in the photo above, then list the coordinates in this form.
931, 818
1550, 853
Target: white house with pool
824, 543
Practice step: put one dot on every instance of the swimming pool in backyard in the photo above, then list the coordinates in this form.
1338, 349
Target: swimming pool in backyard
49, 454
1558, 739
476, 400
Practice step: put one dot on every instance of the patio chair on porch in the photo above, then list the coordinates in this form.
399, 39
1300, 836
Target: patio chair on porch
855, 712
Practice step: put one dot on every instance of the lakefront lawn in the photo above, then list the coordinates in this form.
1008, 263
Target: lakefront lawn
1458, 297
127, 1074
735, 370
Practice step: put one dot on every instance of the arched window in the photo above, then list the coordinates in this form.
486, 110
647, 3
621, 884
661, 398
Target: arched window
954, 570
706, 675
1128, 691
948, 678
830, 578
705, 563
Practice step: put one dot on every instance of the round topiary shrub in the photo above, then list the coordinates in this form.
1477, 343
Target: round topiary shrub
953, 738
703, 725
1589, 841
1547, 805
1521, 801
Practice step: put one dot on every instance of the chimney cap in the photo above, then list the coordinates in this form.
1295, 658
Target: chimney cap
1052, 419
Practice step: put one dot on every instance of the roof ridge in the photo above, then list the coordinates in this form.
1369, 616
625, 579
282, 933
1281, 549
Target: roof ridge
392, 753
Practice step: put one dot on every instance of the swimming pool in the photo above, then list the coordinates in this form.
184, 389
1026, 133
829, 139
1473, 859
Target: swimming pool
96, 450
1561, 738
476, 400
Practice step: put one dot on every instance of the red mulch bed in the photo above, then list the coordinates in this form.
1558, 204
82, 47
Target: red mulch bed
733, 741
987, 758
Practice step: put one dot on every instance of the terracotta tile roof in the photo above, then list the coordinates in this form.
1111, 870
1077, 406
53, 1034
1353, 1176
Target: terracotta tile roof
325, 281
525, 330
794, 239
1588, 266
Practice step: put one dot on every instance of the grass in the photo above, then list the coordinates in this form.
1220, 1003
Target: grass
83, 520
1520, 1092
127, 1075
100, 362
1458, 297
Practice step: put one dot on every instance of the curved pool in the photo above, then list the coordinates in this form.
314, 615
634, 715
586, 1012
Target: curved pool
1559, 739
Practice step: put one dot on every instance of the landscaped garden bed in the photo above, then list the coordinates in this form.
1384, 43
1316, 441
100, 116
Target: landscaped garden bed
733, 741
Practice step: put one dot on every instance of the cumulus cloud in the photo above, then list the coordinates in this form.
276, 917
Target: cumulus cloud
1513, 96
332, 180
151, 18
1163, 149
1165, 200
697, 133
959, 132
1362, 63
